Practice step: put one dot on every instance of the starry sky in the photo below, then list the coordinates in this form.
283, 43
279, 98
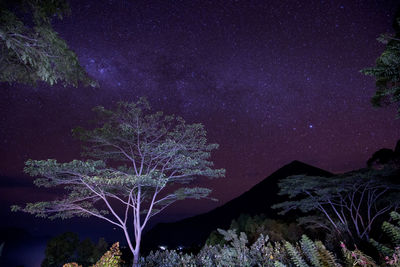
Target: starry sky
272, 81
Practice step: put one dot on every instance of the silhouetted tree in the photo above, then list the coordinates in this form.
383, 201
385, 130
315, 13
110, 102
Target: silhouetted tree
60, 249
153, 151
66, 247
385, 157
100, 248
89, 253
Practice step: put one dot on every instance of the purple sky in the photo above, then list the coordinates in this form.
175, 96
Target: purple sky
273, 81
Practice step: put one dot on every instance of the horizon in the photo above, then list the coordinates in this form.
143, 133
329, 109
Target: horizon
272, 82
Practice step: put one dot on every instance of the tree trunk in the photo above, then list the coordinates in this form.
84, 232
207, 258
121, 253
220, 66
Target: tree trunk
136, 251
138, 229
135, 259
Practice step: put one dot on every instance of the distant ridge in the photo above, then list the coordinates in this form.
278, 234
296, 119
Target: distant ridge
195, 230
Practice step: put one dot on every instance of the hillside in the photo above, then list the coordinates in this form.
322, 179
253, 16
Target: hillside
195, 230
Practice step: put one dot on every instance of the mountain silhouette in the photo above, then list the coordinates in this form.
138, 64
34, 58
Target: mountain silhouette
194, 231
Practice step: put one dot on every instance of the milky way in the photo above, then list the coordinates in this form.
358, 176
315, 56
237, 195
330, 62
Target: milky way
273, 81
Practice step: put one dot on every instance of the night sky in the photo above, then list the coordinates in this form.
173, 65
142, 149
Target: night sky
272, 81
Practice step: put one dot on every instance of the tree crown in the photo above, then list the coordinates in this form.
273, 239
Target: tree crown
31, 50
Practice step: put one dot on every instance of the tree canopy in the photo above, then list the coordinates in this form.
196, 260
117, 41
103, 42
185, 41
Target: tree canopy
348, 204
387, 69
60, 249
135, 155
31, 50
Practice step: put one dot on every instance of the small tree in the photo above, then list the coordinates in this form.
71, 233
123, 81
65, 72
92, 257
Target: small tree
60, 249
148, 152
351, 202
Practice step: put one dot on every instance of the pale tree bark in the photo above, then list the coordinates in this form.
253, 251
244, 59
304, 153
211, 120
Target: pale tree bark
158, 149
351, 204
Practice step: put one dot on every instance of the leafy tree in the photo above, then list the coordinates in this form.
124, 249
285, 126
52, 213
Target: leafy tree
151, 150
85, 252
349, 203
66, 247
387, 69
385, 158
31, 50
60, 249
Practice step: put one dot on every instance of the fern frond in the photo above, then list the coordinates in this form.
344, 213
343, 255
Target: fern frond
326, 257
295, 256
392, 231
279, 264
386, 251
310, 250
395, 216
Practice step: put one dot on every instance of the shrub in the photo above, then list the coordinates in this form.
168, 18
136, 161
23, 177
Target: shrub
112, 258
72, 264
236, 251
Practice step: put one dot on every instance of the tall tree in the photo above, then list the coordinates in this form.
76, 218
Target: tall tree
145, 153
31, 50
387, 69
352, 202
